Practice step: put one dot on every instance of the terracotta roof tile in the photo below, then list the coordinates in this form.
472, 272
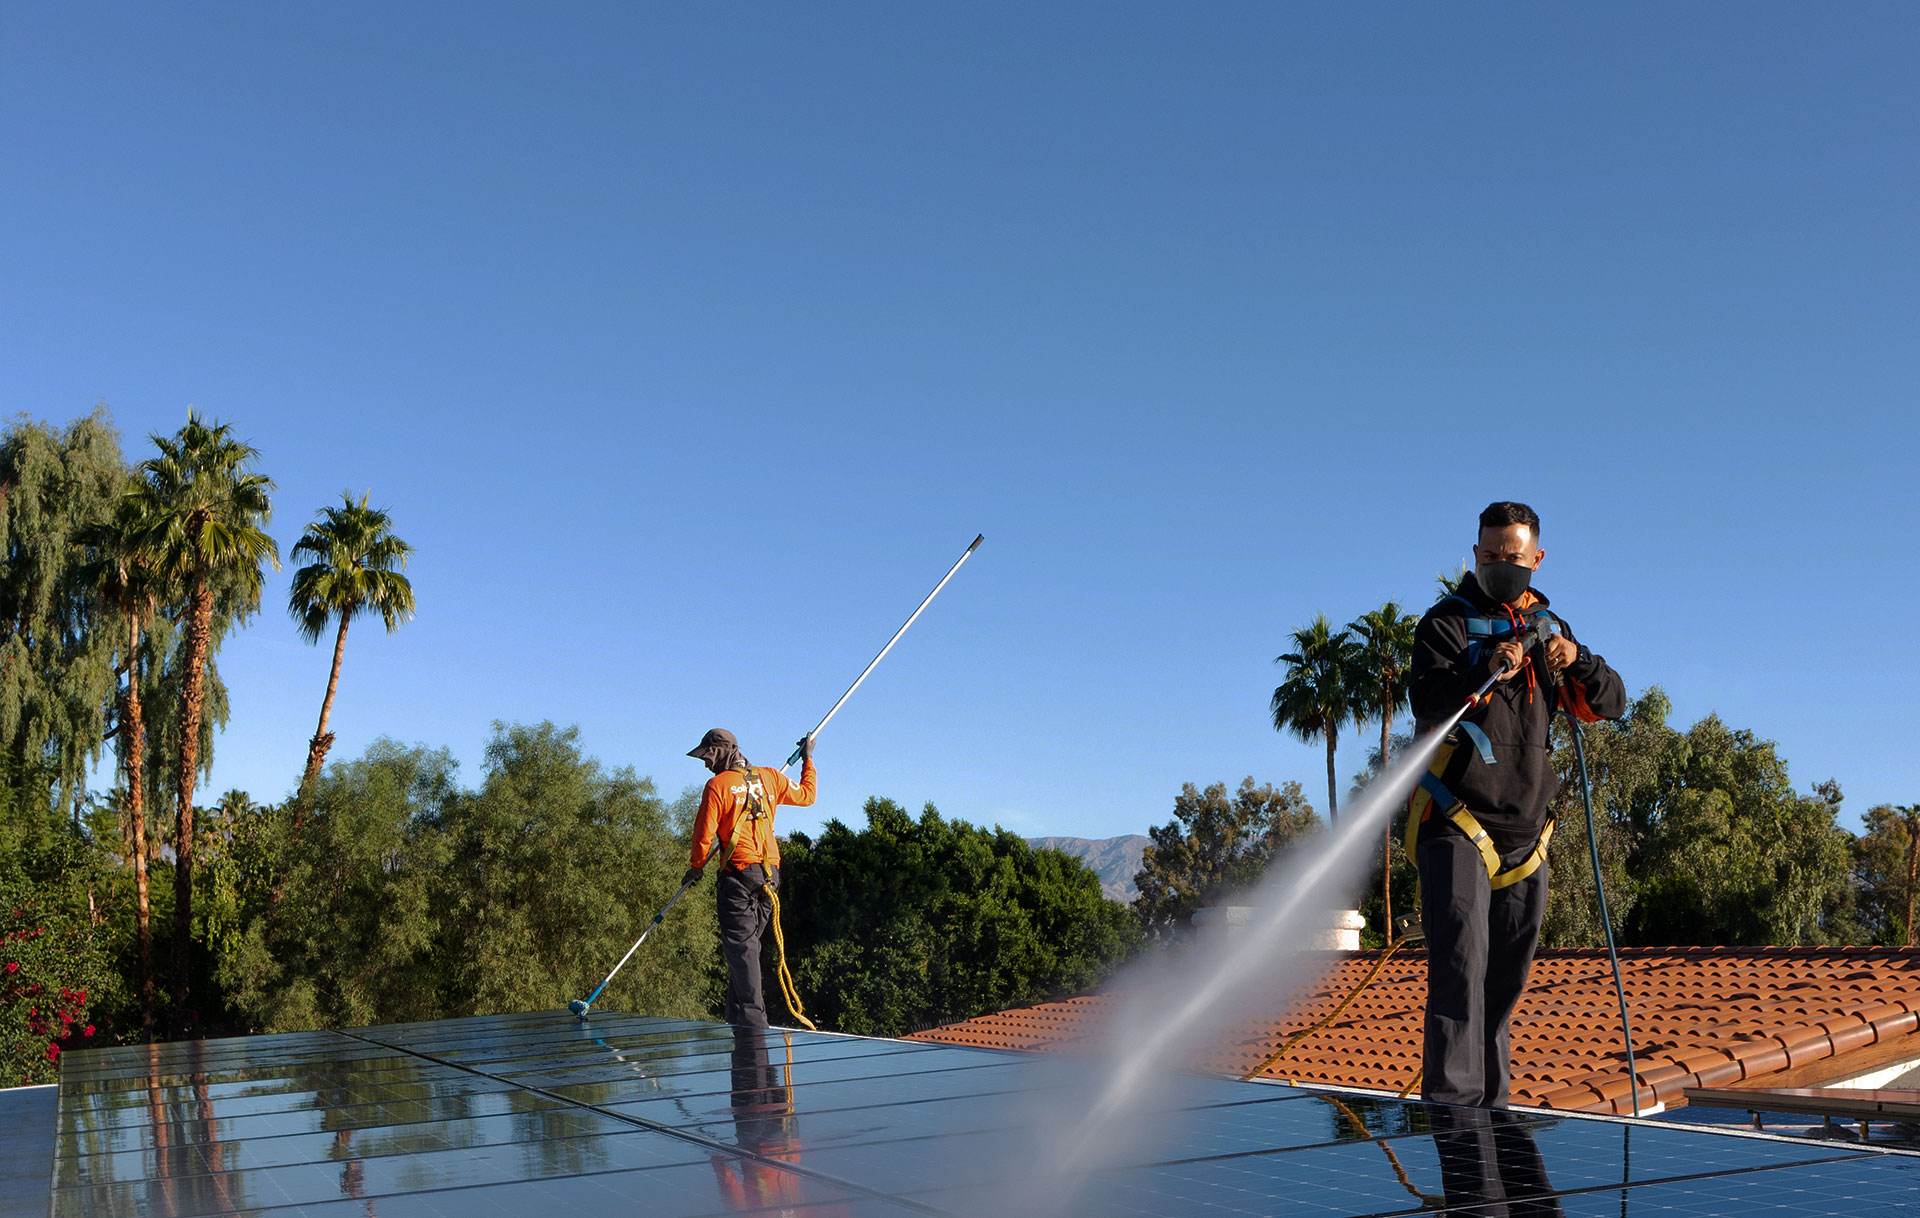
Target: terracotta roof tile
1703, 1016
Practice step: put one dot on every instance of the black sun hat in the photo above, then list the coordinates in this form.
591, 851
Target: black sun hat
719, 737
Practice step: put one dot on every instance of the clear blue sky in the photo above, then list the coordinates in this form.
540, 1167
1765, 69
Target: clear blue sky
689, 344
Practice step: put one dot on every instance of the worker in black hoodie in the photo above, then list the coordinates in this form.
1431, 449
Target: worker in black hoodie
1478, 823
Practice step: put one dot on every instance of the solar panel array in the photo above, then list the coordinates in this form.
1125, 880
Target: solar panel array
540, 1113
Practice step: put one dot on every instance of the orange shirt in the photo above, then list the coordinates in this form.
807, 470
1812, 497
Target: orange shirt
724, 802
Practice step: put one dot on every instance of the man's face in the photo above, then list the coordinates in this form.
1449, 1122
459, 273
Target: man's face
1512, 543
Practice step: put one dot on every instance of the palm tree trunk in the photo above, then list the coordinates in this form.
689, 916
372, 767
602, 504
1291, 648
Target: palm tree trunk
1386, 829
192, 700
1333, 806
134, 753
1913, 867
322, 738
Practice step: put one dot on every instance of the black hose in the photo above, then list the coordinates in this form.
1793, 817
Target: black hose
1606, 920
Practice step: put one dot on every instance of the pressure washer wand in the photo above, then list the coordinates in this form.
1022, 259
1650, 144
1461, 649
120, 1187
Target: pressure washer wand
580, 1006
1526, 638
889, 647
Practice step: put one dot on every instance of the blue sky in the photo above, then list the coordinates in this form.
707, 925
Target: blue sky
689, 344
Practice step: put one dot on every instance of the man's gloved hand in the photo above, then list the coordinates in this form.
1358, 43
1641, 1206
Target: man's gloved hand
806, 747
694, 876
773, 877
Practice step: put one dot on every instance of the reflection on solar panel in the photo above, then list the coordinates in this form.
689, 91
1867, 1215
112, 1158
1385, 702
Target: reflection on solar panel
628, 1115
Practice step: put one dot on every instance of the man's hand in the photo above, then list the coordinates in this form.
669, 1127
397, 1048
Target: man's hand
694, 876
773, 878
1505, 658
1561, 651
806, 748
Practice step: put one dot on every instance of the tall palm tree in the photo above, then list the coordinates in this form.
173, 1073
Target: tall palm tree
354, 571
204, 516
123, 577
1383, 658
1317, 695
1910, 815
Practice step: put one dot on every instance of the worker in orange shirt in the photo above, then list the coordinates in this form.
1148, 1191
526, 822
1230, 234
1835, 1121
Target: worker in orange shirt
735, 824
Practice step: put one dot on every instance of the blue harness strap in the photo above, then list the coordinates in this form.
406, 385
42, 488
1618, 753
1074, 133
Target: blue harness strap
1480, 741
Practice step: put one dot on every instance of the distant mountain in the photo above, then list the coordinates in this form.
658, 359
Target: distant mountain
1114, 859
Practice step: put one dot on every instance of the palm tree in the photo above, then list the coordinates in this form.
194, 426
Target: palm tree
203, 526
1450, 582
121, 575
1911, 816
1317, 695
355, 555
1383, 658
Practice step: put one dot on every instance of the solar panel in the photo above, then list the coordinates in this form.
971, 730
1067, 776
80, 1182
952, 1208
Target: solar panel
628, 1114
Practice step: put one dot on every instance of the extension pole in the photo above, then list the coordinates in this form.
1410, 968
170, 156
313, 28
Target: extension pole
890, 642
581, 1006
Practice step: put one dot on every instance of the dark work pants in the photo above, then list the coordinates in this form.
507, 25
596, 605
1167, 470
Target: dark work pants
1480, 946
1488, 1161
744, 914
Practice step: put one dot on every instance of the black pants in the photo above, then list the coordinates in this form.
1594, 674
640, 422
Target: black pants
1488, 1161
1480, 945
744, 914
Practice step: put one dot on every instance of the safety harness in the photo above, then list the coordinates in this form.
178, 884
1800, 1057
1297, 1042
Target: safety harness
1431, 795
755, 811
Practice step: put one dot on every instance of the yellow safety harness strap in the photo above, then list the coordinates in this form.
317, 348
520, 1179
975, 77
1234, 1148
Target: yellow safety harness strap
788, 990
1432, 794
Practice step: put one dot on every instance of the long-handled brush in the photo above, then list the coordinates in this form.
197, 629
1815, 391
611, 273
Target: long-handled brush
580, 1006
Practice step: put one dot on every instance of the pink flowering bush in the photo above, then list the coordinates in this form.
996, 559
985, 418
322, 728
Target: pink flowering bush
51, 972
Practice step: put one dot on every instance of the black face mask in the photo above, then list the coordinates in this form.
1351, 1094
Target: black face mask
1503, 581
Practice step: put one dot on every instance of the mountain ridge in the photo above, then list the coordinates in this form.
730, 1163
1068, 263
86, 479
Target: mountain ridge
1114, 859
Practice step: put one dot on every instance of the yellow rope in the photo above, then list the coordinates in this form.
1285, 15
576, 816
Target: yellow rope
787, 988
1332, 1015
1399, 1169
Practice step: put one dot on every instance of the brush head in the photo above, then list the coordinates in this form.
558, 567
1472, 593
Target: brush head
578, 1008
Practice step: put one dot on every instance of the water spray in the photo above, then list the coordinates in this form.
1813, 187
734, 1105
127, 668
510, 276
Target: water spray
1543, 628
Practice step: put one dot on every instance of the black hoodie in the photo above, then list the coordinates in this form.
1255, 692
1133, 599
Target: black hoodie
1510, 797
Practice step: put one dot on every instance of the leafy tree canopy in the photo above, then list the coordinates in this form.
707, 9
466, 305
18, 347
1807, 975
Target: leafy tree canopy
911, 922
1215, 846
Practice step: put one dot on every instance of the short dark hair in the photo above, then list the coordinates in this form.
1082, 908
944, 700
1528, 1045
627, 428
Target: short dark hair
1500, 515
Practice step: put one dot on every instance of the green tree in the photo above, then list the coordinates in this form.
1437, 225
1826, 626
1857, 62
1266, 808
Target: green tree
1703, 840
910, 922
1631, 760
128, 587
356, 936
1319, 692
1383, 660
1735, 855
1886, 867
357, 568
204, 515
555, 865
1214, 847
57, 684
